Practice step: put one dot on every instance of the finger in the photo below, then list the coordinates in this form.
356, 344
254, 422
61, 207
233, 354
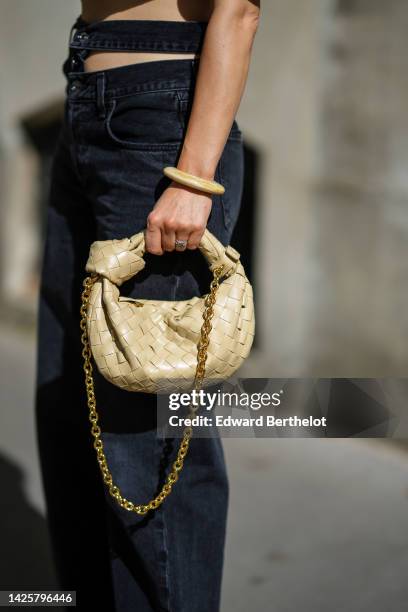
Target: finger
195, 238
153, 242
168, 238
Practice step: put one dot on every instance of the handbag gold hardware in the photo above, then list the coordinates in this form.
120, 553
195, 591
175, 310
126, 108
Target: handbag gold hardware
112, 262
94, 417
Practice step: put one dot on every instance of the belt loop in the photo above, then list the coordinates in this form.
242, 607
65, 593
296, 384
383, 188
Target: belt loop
100, 95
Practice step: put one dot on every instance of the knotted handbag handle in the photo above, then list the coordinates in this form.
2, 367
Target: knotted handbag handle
120, 259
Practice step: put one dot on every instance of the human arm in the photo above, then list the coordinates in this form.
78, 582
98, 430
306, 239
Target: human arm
182, 212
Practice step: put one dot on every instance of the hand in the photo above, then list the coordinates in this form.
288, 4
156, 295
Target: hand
180, 213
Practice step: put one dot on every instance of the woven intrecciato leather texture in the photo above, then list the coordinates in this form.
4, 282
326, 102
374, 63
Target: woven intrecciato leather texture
151, 345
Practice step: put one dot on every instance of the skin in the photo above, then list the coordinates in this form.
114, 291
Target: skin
182, 212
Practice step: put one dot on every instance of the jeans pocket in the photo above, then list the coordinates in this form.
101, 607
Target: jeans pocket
145, 121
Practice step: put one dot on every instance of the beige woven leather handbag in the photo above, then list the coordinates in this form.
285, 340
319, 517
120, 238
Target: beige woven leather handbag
159, 346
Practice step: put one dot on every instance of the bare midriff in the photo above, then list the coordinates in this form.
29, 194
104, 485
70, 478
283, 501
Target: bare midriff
171, 10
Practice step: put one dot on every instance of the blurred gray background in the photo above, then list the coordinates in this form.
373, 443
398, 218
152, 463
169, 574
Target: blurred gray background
314, 524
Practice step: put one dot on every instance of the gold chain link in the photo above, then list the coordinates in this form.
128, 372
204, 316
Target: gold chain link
202, 347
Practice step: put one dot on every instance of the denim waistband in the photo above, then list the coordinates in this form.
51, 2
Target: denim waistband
138, 35
160, 75
132, 35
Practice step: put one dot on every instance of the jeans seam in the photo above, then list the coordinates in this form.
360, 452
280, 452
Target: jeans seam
116, 94
180, 111
75, 146
100, 95
166, 565
111, 94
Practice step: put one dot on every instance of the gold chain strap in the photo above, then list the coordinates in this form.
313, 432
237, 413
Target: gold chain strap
203, 343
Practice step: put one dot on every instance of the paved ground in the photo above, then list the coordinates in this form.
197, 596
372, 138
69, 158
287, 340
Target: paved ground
314, 525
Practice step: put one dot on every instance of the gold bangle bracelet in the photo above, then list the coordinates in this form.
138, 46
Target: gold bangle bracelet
193, 181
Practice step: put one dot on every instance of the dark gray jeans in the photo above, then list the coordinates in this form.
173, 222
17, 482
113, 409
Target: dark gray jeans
121, 127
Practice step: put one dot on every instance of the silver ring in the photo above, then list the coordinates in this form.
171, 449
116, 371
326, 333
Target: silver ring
180, 245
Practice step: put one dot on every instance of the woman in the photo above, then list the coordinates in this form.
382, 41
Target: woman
149, 85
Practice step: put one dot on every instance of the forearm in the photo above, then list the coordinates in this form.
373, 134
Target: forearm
220, 83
